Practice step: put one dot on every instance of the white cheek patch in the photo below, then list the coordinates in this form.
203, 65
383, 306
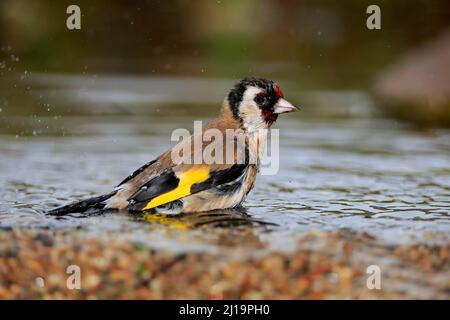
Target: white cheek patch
249, 111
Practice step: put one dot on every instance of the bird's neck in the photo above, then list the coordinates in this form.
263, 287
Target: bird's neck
256, 135
226, 120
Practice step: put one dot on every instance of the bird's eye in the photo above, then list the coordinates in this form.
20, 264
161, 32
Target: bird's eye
261, 100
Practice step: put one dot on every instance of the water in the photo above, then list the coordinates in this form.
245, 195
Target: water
342, 166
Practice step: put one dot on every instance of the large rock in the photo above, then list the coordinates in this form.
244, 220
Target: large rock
417, 87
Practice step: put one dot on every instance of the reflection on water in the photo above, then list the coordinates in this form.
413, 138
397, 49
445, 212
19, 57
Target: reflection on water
340, 167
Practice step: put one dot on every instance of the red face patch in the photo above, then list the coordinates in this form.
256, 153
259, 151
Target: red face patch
268, 116
278, 91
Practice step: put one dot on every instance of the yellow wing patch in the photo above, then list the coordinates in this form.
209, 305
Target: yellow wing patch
187, 179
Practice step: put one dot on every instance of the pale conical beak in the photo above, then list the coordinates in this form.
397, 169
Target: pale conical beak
283, 106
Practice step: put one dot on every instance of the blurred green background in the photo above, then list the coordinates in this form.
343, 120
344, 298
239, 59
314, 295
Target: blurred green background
318, 44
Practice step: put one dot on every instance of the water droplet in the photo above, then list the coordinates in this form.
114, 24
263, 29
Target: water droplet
40, 282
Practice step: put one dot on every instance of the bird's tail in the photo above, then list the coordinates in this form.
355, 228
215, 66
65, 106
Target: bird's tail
96, 203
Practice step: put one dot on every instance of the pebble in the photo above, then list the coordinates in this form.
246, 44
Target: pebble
325, 265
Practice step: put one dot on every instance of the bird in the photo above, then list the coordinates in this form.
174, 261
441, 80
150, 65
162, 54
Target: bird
176, 184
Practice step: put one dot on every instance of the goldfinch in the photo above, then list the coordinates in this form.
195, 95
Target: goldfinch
176, 183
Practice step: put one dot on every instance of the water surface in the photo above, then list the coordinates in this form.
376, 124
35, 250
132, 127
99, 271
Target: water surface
342, 166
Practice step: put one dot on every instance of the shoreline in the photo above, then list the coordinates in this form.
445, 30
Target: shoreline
325, 265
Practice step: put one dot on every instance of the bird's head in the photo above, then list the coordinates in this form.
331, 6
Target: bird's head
257, 102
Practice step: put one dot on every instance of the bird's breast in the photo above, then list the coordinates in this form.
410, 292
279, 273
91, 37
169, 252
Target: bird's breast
257, 141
